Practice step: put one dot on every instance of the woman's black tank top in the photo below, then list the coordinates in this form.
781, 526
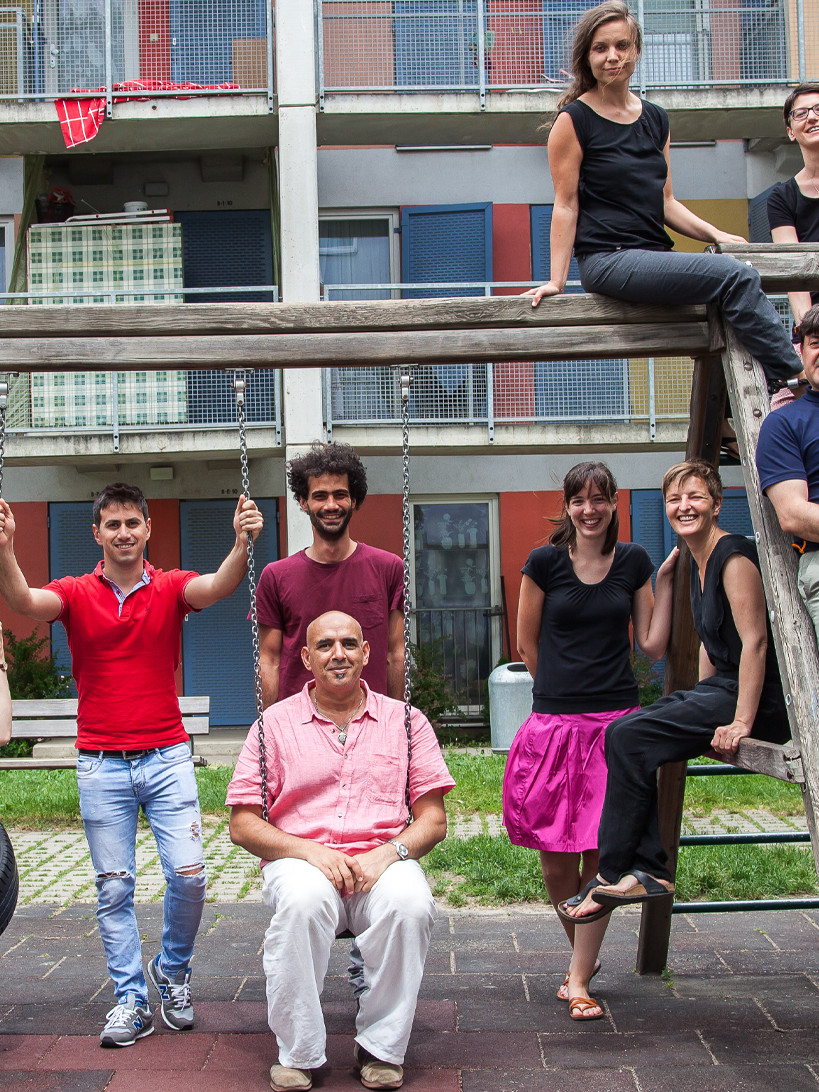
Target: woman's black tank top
621, 180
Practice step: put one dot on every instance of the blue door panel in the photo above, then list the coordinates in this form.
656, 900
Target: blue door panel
217, 652
72, 551
445, 243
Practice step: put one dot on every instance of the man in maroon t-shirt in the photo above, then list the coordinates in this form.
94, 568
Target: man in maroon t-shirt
334, 573
123, 623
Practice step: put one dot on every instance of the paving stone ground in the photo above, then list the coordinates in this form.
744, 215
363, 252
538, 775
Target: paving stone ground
737, 1012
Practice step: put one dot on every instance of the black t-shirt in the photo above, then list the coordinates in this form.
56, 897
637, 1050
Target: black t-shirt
789, 207
621, 181
583, 653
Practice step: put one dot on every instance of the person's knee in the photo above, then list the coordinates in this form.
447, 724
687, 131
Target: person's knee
412, 904
115, 888
189, 881
305, 896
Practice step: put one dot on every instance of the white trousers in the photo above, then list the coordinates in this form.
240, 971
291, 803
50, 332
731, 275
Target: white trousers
392, 925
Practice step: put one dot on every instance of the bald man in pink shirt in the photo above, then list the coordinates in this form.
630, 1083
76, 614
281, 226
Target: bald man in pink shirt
339, 853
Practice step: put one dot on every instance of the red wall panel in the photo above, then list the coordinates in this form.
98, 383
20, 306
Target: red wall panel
378, 522
31, 548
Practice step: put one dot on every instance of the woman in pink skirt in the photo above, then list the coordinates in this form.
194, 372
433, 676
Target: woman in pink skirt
579, 596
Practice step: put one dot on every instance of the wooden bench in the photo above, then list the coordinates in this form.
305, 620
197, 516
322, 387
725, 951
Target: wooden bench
50, 718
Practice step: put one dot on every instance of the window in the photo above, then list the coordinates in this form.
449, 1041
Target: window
6, 250
454, 562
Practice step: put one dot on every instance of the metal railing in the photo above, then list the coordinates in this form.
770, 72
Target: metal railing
136, 51
464, 645
760, 838
484, 46
73, 403
637, 390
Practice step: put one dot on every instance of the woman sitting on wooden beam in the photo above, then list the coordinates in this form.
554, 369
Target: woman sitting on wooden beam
739, 694
609, 156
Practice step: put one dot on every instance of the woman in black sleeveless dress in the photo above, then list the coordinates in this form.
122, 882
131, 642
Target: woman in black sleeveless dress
609, 160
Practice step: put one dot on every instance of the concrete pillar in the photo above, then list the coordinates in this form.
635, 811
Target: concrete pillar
298, 189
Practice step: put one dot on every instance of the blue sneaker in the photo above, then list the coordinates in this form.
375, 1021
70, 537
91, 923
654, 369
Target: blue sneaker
126, 1022
175, 996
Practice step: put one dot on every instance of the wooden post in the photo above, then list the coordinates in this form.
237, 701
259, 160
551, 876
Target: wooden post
681, 665
793, 632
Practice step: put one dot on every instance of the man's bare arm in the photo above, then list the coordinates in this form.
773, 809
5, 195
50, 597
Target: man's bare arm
427, 829
37, 603
204, 591
270, 658
797, 515
263, 840
395, 656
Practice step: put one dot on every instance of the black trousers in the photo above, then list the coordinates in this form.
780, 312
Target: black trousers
673, 729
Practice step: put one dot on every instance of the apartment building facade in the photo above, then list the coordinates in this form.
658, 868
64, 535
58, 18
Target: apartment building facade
348, 149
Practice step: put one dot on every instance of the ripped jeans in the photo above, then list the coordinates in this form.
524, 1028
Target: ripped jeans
112, 790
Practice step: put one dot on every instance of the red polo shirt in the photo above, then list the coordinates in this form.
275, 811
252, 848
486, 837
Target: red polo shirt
124, 656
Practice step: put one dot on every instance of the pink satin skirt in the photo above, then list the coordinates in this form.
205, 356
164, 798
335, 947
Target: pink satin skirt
555, 781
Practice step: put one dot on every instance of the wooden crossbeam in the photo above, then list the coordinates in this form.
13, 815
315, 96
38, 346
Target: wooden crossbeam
133, 353
341, 316
784, 267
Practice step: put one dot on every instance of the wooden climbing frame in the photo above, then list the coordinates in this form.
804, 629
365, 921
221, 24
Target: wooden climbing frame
507, 328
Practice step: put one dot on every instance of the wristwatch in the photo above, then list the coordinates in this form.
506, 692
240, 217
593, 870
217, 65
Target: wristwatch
400, 849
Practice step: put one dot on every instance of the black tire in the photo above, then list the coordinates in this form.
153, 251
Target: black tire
9, 882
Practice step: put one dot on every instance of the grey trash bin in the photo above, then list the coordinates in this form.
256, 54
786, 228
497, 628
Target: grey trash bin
510, 703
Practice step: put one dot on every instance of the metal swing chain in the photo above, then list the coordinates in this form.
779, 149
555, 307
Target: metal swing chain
4, 401
406, 382
239, 385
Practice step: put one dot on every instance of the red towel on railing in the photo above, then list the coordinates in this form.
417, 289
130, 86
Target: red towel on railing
80, 119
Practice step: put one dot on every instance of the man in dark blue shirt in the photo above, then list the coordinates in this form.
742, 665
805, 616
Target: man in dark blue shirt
787, 457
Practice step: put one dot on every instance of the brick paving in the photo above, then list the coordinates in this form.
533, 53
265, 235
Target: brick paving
738, 1010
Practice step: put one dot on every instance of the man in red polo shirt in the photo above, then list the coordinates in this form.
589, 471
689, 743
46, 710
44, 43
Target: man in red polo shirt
123, 623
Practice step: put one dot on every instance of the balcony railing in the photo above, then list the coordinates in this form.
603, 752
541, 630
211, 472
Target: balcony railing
638, 390
92, 403
49, 50
498, 45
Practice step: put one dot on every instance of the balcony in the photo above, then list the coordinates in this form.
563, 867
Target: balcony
501, 45
179, 412
598, 402
421, 72
179, 63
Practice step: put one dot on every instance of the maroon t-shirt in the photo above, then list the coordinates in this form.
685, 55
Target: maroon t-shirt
292, 592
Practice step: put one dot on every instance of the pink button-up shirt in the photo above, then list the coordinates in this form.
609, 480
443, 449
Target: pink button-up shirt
351, 796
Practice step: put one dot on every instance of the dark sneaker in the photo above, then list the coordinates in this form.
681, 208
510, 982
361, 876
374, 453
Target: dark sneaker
175, 995
126, 1022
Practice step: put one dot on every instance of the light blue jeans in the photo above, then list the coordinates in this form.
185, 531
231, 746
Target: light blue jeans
676, 278
112, 791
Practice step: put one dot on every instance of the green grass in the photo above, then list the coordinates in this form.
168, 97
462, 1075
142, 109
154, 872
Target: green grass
36, 799
490, 871
487, 869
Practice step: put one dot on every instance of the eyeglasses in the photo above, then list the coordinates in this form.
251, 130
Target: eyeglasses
802, 112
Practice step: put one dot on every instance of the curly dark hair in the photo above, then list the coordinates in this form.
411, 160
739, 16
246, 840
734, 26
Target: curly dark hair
327, 459
119, 493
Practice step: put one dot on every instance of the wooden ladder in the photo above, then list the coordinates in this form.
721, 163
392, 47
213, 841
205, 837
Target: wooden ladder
733, 372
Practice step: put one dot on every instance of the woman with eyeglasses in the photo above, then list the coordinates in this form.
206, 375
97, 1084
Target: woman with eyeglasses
793, 206
609, 159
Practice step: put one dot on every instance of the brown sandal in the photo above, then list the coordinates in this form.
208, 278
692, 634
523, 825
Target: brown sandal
565, 982
579, 1007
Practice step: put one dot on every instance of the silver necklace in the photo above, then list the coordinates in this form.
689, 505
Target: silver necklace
342, 728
